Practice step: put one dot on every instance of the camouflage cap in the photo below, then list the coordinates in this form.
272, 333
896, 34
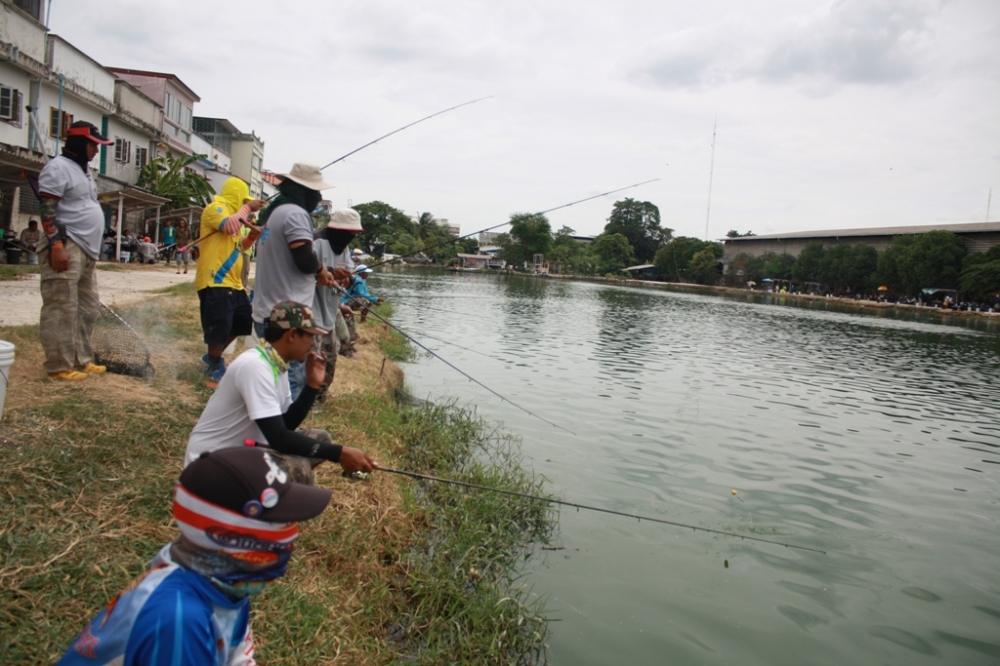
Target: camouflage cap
295, 316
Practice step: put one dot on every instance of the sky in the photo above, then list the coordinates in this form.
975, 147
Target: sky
851, 113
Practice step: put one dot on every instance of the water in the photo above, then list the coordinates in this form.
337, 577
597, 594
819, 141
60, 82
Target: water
875, 439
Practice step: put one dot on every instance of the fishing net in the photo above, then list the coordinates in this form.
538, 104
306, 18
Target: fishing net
119, 347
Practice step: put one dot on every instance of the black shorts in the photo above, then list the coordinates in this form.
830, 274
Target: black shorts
225, 314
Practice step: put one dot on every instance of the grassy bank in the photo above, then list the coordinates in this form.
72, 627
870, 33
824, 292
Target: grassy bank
395, 570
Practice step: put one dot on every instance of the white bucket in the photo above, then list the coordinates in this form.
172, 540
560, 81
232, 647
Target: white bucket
6, 361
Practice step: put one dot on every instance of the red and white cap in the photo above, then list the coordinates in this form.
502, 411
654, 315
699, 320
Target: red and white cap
89, 131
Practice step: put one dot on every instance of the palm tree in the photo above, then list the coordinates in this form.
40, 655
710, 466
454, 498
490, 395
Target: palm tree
170, 177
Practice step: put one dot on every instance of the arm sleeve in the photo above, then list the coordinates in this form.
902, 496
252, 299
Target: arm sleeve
296, 414
305, 260
283, 440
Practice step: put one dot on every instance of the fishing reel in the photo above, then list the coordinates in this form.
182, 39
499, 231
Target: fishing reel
356, 475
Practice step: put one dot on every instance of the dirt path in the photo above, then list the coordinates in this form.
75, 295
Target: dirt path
21, 299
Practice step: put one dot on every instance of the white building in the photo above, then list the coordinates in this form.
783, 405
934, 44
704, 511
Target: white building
246, 151
176, 99
135, 129
46, 84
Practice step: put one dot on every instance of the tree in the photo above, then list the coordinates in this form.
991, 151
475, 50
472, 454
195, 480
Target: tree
529, 235
673, 260
914, 262
809, 263
611, 252
171, 177
572, 256
776, 266
704, 267
980, 278
383, 225
639, 222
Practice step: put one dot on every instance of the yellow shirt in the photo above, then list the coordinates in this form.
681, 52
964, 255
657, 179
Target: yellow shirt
218, 249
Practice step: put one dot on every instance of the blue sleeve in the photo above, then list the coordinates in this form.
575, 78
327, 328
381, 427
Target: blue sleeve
363, 291
172, 629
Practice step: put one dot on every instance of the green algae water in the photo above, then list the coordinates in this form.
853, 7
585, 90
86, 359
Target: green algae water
875, 439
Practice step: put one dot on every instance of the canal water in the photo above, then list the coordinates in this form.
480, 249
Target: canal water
874, 439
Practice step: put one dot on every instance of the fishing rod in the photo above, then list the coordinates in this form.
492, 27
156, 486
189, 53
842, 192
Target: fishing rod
503, 224
407, 126
370, 143
587, 507
464, 373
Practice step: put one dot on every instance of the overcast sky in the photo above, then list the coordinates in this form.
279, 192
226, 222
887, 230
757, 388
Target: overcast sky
830, 114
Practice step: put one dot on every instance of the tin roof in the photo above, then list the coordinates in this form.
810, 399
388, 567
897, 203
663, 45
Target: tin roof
961, 228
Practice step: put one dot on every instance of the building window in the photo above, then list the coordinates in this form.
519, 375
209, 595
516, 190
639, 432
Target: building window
141, 157
10, 106
67, 120
123, 150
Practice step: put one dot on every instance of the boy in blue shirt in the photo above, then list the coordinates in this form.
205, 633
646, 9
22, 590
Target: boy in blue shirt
238, 514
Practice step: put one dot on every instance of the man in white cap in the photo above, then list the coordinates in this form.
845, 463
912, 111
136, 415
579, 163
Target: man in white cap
287, 267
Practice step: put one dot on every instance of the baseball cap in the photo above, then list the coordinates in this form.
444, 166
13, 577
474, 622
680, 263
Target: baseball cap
291, 316
89, 131
363, 268
248, 481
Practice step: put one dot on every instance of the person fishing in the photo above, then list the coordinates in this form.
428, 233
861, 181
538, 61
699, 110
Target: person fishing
238, 515
254, 403
333, 251
287, 267
357, 296
72, 222
224, 305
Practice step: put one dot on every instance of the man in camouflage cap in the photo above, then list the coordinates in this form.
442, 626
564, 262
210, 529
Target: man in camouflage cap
253, 402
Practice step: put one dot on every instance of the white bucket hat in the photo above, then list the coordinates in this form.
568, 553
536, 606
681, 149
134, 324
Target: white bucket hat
307, 175
346, 219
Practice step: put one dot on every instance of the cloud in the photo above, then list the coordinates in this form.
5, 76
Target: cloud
856, 41
881, 42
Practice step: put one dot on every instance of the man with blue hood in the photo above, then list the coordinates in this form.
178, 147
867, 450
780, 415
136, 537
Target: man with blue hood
225, 307
238, 513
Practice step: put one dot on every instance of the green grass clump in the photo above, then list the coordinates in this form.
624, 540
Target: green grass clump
15, 271
462, 604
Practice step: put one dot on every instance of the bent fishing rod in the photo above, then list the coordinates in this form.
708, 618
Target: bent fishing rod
588, 507
370, 143
464, 373
504, 224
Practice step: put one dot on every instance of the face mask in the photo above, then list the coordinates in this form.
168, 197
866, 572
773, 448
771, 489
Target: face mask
339, 239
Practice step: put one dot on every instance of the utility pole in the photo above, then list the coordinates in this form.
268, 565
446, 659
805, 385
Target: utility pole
711, 173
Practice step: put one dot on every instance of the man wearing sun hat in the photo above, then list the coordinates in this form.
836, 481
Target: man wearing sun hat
253, 401
238, 513
287, 267
333, 250
73, 224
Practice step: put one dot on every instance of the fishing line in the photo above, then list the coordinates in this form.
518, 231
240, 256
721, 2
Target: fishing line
453, 344
504, 224
587, 507
464, 373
